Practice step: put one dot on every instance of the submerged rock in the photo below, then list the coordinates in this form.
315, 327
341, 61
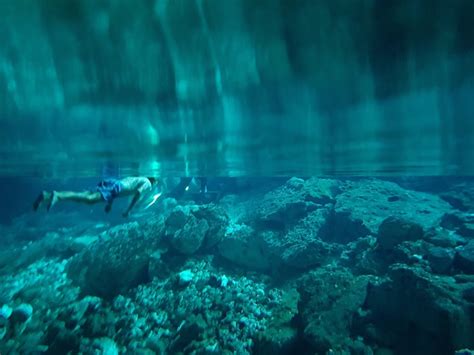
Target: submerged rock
330, 299
199, 318
188, 229
177, 219
462, 224
283, 207
460, 196
373, 201
115, 263
303, 246
190, 237
468, 294
440, 259
444, 238
51, 245
342, 228
217, 220
413, 311
36, 294
359, 256
465, 258
393, 231
22, 313
281, 336
157, 266
243, 246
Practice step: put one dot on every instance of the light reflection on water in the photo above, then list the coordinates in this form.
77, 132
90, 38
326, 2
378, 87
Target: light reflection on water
417, 134
280, 88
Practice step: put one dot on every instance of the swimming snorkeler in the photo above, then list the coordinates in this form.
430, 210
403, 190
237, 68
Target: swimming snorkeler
106, 191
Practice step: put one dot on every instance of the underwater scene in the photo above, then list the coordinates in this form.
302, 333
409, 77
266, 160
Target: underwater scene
242, 266
236, 177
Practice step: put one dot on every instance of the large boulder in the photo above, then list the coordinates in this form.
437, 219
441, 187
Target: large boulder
464, 259
176, 220
243, 246
188, 228
280, 335
392, 231
217, 220
460, 196
189, 238
444, 238
285, 206
342, 228
461, 223
414, 312
440, 259
115, 263
372, 201
303, 245
330, 299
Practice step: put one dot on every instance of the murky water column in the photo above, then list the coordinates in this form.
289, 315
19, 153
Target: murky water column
236, 87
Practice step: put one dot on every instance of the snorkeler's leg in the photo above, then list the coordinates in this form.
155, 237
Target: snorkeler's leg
87, 197
108, 207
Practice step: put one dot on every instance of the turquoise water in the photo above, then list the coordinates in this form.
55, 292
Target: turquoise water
201, 87
314, 164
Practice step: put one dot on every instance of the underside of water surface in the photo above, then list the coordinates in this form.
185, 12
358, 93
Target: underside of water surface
236, 88
236, 177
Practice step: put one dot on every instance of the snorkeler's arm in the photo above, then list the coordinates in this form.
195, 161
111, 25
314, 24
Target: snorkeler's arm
108, 206
134, 201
